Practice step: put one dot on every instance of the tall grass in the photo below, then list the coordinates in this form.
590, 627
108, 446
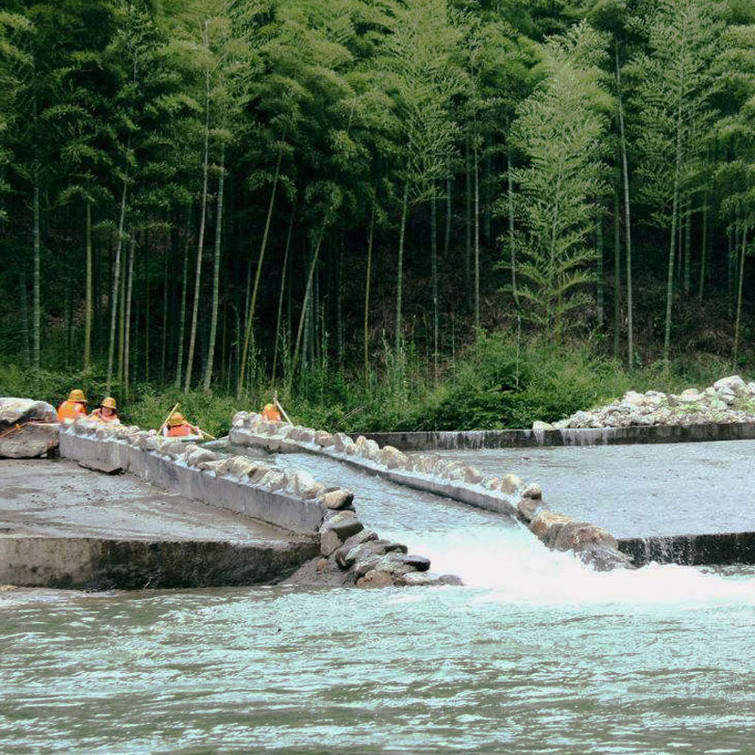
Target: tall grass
497, 382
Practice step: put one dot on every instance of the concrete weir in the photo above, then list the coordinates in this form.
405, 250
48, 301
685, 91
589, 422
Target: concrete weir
431, 473
600, 436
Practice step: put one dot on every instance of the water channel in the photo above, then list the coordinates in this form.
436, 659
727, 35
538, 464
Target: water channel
536, 654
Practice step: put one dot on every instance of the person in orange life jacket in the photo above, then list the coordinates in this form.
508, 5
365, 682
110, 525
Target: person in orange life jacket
270, 413
73, 408
178, 427
107, 412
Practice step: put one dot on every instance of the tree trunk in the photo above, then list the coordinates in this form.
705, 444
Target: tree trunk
674, 213
200, 242
434, 276
127, 319
616, 275
37, 309
600, 287
122, 320
88, 294
305, 302
468, 227
476, 239
253, 302
367, 287
400, 266
704, 249
627, 221
184, 292
512, 250
116, 284
688, 245
743, 248
447, 238
25, 356
278, 334
216, 274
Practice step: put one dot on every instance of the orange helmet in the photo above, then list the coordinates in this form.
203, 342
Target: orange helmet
77, 395
176, 419
109, 402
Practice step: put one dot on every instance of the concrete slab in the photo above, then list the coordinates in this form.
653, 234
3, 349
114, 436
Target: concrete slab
61, 525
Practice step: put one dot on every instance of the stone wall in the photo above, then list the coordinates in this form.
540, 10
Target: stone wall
506, 494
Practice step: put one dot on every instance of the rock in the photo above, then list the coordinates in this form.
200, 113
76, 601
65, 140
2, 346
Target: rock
733, 384
633, 399
240, 466
29, 441
329, 542
472, 475
394, 547
605, 559
393, 563
538, 425
344, 524
196, 455
306, 435
322, 564
340, 441
18, 410
534, 491
324, 439
347, 556
547, 525
369, 450
393, 458
304, 486
429, 579
420, 563
340, 498
375, 579
528, 508
510, 483
364, 565
274, 480
576, 536
691, 396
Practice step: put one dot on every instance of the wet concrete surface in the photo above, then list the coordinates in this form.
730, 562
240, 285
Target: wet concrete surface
61, 499
639, 491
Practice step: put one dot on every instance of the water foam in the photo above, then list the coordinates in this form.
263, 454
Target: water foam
517, 568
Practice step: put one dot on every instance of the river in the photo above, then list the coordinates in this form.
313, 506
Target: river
536, 654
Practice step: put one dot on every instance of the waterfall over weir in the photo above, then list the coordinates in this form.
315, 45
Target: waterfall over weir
488, 550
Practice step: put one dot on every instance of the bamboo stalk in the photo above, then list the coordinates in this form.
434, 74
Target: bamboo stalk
165, 421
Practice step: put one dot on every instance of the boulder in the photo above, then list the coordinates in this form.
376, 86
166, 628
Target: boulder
29, 441
394, 547
329, 542
510, 483
528, 509
539, 426
576, 536
429, 579
534, 491
240, 466
304, 486
393, 458
601, 558
324, 439
420, 563
547, 525
347, 556
370, 451
335, 499
18, 410
375, 579
344, 524
472, 475
733, 384
196, 455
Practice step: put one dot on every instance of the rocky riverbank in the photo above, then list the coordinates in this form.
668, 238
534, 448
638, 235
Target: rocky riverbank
28, 428
729, 400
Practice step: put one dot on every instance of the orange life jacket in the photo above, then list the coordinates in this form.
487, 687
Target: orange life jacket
180, 431
98, 415
70, 411
271, 414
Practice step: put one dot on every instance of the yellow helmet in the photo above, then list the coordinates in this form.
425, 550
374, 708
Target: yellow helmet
176, 419
78, 396
109, 402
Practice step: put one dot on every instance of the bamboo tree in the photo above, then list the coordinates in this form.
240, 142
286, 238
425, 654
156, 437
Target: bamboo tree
367, 288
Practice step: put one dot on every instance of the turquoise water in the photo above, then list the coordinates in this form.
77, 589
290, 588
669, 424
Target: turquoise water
537, 654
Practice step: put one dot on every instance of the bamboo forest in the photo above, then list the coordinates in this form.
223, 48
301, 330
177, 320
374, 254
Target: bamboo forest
398, 214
